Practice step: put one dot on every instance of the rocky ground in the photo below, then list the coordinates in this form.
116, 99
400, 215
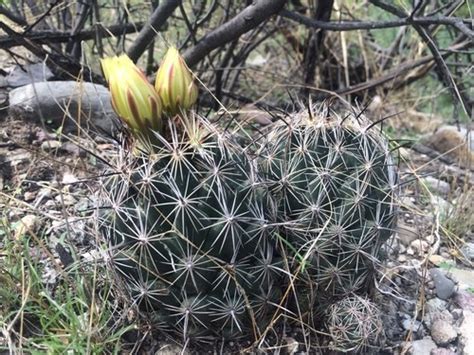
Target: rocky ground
426, 288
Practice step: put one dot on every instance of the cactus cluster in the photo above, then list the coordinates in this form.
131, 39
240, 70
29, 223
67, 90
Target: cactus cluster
214, 239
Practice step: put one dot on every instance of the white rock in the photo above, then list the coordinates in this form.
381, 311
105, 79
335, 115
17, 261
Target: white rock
430, 238
407, 233
50, 145
437, 186
62, 103
465, 277
26, 224
420, 246
436, 259
443, 332
466, 332
423, 346
69, 178
27, 74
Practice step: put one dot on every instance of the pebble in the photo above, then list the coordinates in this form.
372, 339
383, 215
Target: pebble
171, 349
69, 178
465, 300
444, 286
27, 223
50, 145
442, 351
420, 246
466, 332
26, 74
468, 251
423, 346
430, 238
407, 233
437, 309
437, 260
465, 277
402, 258
73, 149
29, 196
441, 206
67, 200
435, 185
86, 103
442, 332
411, 325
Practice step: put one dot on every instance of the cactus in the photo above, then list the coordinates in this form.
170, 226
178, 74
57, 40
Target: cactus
355, 325
214, 239
188, 231
335, 181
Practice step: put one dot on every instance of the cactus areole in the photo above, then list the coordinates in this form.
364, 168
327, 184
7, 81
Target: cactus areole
215, 240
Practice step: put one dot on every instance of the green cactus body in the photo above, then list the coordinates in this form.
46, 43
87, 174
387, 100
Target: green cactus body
188, 232
335, 182
210, 238
354, 325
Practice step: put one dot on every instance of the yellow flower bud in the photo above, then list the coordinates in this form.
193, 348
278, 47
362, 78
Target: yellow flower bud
174, 83
134, 99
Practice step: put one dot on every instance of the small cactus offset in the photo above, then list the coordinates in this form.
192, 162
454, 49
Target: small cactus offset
336, 184
355, 325
214, 239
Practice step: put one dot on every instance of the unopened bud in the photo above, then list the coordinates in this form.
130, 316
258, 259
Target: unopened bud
174, 83
134, 99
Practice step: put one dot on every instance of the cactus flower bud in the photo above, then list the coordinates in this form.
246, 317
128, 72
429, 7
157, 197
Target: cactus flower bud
134, 99
174, 83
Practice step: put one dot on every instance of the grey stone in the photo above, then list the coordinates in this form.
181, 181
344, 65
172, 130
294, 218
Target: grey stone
420, 246
3, 81
466, 332
442, 332
411, 324
436, 309
444, 286
468, 251
65, 104
407, 233
465, 300
423, 346
171, 349
437, 186
50, 145
441, 206
27, 74
442, 351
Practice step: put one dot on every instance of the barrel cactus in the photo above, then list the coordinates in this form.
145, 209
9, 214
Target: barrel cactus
336, 183
213, 239
355, 325
189, 233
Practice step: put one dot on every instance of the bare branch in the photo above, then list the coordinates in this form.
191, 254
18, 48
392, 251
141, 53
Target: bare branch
247, 19
440, 63
47, 37
341, 26
146, 35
